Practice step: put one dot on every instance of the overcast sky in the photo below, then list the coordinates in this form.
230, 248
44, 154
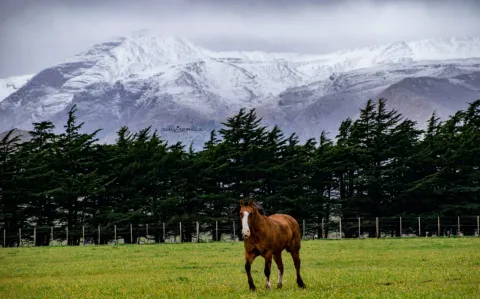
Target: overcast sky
35, 34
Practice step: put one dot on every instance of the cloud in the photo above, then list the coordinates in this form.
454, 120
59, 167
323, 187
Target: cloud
44, 32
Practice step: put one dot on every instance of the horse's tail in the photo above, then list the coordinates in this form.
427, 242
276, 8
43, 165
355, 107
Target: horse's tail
297, 235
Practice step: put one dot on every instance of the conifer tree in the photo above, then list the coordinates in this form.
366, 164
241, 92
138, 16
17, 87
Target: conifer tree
322, 201
380, 165
75, 171
11, 213
36, 183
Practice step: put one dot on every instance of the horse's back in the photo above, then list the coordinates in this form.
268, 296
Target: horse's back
290, 228
286, 219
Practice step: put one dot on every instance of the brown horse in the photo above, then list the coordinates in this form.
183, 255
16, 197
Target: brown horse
268, 237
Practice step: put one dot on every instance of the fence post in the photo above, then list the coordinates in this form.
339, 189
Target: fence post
419, 228
198, 233
438, 226
377, 227
401, 230
340, 224
4, 238
51, 233
216, 230
164, 232
180, 232
66, 232
359, 228
323, 228
303, 231
458, 220
83, 234
478, 226
99, 235
35, 236
233, 230
115, 233
131, 234
19, 237
147, 234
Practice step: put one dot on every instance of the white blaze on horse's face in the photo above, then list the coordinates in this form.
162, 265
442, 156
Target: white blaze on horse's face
245, 228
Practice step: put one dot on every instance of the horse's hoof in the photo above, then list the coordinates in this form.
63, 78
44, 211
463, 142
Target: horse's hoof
279, 286
301, 285
253, 288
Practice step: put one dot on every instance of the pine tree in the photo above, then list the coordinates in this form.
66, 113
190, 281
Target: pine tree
36, 181
323, 184
11, 214
419, 196
379, 166
274, 174
75, 170
213, 191
243, 137
461, 170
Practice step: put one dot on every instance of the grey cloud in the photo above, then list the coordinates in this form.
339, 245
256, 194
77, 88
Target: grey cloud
36, 34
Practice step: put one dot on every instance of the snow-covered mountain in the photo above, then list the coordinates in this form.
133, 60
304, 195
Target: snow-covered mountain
145, 79
10, 85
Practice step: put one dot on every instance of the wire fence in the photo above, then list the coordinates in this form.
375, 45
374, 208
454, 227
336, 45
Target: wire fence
333, 228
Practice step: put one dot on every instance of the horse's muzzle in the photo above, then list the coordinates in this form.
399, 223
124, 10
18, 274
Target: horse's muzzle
246, 232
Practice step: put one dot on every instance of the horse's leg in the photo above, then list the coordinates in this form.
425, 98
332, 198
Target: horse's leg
296, 260
268, 267
278, 260
249, 257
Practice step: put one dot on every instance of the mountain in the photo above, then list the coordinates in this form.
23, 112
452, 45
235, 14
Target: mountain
169, 82
23, 135
10, 85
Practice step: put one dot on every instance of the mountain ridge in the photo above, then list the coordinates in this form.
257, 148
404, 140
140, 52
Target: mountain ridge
165, 81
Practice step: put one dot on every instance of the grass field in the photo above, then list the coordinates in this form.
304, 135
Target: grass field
386, 268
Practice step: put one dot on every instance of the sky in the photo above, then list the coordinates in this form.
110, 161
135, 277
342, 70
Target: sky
35, 34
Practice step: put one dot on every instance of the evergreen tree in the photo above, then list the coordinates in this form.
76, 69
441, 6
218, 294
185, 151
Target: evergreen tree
12, 215
380, 165
419, 196
75, 171
323, 184
460, 174
36, 183
214, 198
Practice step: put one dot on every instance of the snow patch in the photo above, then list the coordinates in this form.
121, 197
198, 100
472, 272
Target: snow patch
12, 84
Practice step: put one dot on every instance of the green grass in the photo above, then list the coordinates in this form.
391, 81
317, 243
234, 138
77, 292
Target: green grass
386, 268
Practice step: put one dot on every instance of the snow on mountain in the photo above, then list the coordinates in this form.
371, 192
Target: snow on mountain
10, 85
322, 105
145, 79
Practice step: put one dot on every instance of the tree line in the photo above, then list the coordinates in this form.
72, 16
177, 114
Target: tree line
379, 165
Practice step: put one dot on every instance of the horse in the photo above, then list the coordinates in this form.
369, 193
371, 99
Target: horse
268, 236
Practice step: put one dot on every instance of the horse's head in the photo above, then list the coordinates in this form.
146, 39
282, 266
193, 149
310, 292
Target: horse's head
248, 213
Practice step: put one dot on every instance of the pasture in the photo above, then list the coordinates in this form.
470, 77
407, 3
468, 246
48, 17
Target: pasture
365, 268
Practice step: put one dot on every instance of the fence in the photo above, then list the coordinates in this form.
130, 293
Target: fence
231, 231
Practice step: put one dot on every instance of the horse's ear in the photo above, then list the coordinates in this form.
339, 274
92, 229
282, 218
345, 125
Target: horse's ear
241, 202
250, 203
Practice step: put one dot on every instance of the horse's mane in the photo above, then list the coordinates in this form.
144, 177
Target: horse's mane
259, 207
254, 204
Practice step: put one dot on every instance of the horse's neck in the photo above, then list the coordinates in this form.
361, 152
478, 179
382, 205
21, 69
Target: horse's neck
259, 225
